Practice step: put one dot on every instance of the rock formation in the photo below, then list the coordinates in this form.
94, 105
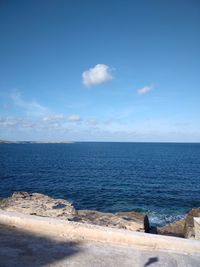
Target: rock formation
183, 228
38, 204
173, 229
125, 220
42, 205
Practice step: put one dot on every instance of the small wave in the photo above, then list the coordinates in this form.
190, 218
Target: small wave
156, 219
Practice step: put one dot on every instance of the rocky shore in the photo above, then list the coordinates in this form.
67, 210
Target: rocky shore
183, 228
42, 205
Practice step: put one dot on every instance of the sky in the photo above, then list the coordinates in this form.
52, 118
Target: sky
100, 70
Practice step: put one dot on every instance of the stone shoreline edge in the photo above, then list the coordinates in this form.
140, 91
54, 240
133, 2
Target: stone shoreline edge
62, 228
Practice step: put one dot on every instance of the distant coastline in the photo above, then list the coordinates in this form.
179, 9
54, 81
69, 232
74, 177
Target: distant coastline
72, 142
35, 142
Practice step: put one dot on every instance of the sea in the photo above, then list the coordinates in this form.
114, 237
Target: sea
159, 179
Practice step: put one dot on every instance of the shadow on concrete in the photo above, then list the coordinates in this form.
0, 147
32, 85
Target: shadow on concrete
22, 248
151, 261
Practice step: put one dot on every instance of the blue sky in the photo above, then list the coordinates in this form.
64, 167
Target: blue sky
100, 70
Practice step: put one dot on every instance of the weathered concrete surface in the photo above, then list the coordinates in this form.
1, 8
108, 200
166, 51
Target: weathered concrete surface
197, 228
42, 205
78, 231
22, 248
189, 222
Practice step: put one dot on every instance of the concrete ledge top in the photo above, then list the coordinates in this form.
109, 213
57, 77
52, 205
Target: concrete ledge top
197, 219
46, 226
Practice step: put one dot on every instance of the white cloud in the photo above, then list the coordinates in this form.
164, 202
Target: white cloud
101, 73
60, 118
74, 118
54, 118
15, 122
31, 107
144, 90
92, 121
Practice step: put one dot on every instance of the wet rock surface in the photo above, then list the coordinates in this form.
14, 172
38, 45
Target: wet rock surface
42, 205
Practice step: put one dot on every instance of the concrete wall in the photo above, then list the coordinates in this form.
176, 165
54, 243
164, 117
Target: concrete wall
56, 227
197, 228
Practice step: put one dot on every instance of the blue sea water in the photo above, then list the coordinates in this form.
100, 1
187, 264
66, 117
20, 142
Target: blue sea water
161, 179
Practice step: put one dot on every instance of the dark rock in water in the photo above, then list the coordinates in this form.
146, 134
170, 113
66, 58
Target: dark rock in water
183, 228
42, 205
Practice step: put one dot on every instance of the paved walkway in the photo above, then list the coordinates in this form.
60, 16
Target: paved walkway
23, 249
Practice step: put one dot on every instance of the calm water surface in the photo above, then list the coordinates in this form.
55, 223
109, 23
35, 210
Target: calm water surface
162, 179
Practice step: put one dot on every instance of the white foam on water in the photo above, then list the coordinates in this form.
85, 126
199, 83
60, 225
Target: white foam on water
156, 219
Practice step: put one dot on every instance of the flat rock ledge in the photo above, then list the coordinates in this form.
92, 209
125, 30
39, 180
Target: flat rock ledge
42, 205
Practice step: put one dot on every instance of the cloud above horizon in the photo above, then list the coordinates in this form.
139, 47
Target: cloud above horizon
31, 107
74, 118
36, 116
144, 90
97, 75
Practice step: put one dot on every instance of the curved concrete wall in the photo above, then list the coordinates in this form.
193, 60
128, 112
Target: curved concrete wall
57, 227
